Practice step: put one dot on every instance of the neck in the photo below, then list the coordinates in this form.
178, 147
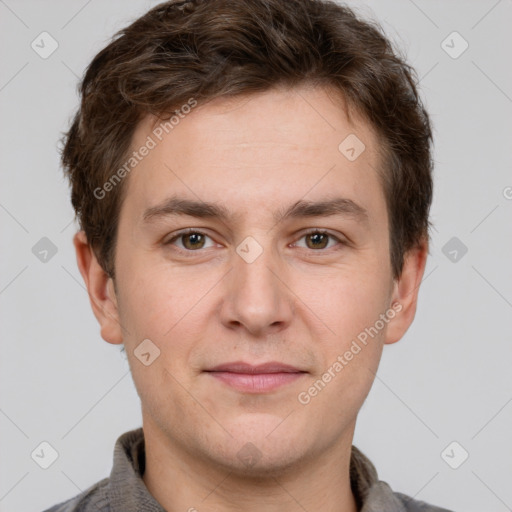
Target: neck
181, 481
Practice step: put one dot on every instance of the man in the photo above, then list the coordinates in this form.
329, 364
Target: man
253, 183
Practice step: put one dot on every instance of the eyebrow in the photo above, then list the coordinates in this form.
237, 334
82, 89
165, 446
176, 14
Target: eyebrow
176, 206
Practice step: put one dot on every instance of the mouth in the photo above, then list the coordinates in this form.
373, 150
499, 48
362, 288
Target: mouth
260, 378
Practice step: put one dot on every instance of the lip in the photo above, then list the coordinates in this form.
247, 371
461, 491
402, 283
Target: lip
260, 378
242, 367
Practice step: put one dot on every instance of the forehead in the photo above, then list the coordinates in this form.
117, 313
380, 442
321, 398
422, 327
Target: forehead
297, 142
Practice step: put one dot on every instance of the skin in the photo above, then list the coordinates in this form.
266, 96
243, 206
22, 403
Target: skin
298, 303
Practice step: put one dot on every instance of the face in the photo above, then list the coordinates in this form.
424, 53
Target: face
247, 236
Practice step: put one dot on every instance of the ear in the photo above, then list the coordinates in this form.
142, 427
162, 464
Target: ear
405, 292
100, 288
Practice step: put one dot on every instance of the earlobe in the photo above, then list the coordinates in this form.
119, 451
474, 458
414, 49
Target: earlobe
405, 292
100, 289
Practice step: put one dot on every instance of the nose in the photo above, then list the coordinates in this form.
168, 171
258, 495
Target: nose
256, 297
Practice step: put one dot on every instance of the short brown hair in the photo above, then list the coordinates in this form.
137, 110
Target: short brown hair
211, 48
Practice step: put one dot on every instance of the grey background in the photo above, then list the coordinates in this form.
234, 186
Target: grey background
447, 380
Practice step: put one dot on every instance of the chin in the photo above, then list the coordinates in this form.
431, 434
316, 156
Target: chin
262, 446
251, 462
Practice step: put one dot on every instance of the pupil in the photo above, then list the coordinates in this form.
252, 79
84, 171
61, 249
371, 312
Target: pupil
192, 236
316, 238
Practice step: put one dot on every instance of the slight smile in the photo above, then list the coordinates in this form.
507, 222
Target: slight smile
260, 378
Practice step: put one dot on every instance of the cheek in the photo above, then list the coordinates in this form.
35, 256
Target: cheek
158, 301
170, 309
348, 301
350, 310
350, 353
169, 314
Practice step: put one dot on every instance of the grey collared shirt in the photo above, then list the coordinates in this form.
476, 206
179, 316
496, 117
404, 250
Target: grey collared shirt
125, 491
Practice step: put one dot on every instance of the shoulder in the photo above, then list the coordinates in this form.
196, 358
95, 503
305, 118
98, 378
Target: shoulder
381, 498
375, 495
412, 505
94, 499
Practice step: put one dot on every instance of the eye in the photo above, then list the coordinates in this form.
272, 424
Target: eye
191, 240
318, 239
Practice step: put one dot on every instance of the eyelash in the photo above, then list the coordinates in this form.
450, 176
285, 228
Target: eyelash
190, 231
